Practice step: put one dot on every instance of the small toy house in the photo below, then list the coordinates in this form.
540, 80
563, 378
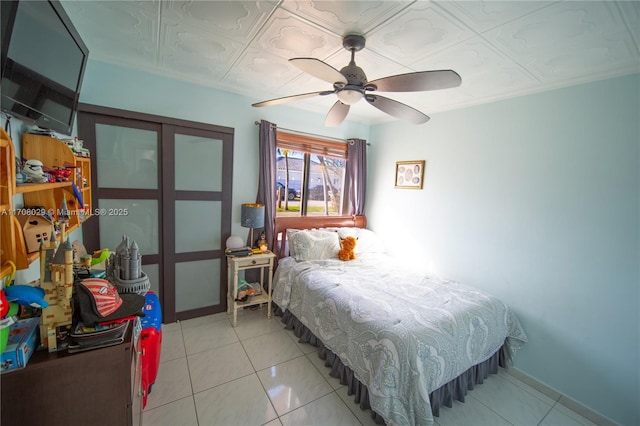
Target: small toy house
56, 278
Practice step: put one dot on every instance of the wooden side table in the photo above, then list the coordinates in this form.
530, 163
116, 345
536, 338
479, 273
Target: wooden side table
263, 261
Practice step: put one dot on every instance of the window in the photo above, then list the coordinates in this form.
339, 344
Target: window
310, 176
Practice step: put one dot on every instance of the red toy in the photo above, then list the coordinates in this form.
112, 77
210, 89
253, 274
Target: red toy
150, 342
4, 304
60, 174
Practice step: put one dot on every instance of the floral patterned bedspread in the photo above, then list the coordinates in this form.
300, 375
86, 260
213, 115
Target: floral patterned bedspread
403, 334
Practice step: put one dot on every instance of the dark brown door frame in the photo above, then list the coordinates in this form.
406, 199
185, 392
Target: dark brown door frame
171, 195
88, 116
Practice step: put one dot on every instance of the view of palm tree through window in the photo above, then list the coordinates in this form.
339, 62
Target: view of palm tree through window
308, 184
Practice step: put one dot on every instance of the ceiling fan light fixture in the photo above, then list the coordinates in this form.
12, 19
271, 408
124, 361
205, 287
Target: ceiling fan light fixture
349, 96
350, 85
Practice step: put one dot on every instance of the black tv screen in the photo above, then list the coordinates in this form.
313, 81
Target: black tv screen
43, 62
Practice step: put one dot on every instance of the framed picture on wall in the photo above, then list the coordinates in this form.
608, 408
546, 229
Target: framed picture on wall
409, 174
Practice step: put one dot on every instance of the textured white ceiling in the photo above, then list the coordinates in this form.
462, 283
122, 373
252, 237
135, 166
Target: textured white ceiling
501, 49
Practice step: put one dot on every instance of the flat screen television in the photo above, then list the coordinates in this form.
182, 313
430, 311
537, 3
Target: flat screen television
43, 62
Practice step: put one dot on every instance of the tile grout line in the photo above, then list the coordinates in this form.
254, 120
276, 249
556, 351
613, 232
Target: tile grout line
563, 400
513, 379
255, 372
269, 397
190, 382
527, 388
229, 381
548, 412
497, 376
186, 356
306, 356
335, 391
486, 406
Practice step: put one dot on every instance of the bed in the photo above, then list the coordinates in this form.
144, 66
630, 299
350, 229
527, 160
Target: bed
405, 343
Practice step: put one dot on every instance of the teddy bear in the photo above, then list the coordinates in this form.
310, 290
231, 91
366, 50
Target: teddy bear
347, 245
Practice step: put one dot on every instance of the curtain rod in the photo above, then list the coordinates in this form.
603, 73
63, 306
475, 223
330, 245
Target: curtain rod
257, 123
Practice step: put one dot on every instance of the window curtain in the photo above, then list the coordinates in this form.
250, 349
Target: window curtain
267, 178
357, 175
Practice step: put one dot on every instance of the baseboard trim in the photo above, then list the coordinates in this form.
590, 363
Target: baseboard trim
561, 399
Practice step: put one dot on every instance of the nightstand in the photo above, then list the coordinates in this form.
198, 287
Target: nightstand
264, 262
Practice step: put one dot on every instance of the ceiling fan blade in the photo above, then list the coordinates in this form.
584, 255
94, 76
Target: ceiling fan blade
397, 109
319, 69
418, 81
286, 99
336, 114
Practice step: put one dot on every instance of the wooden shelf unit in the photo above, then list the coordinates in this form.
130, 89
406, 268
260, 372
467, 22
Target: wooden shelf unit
55, 153
25, 188
8, 250
52, 152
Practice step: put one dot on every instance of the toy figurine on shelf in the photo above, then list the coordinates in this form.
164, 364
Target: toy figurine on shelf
59, 174
34, 172
63, 214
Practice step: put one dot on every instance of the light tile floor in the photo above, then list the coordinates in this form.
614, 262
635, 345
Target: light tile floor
258, 374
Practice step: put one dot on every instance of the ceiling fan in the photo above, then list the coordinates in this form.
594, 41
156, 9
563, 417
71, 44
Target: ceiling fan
350, 85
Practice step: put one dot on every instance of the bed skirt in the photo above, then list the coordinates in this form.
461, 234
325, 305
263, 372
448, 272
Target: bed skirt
456, 389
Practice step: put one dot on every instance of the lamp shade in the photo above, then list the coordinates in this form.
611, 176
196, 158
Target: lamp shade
252, 215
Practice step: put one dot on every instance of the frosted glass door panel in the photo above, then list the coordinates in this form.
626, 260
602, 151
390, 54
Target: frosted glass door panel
153, 272
197, 226
137, 219
198, 163
197, 284
126, 157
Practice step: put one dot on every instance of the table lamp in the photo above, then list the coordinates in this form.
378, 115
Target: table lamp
252, 217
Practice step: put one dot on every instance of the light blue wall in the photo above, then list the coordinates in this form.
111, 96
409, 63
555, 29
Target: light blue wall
117, 87
536, 200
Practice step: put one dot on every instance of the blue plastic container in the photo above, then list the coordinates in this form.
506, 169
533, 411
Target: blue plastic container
152, 312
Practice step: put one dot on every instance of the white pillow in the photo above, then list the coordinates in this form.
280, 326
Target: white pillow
289, 236
368, 241
315, 244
